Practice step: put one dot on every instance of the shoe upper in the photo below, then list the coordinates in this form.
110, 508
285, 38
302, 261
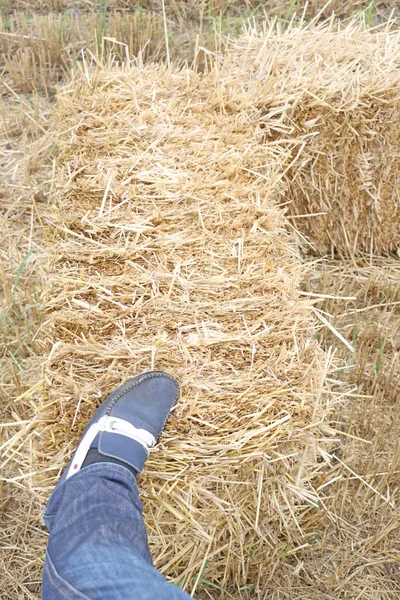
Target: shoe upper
143, 403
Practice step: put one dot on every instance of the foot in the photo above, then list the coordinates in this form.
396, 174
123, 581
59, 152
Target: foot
127, 424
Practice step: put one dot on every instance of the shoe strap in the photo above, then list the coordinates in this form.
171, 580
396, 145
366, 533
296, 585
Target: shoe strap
110, 425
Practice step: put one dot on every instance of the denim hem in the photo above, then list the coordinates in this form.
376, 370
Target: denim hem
48, 517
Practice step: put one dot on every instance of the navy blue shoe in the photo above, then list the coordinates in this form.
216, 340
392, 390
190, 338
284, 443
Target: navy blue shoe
128, 423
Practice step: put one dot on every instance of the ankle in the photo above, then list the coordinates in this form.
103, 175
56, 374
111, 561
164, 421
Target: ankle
94, 456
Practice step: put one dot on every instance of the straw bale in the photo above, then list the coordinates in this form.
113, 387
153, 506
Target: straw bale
169, 251
334, 91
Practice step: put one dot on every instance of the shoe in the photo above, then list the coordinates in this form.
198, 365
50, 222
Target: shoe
128, 424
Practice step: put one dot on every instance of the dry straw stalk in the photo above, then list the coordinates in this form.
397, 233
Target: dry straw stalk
332, 93
26, 142
193, 10
361, 555
168, 251
348, 552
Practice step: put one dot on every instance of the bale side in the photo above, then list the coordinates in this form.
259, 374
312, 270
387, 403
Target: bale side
332, 93
167, 251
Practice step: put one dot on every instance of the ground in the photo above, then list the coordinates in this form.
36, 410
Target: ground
356, 555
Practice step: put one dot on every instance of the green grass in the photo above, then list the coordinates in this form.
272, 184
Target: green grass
21, 268
4, 5
101, 25
290, 11
369, 13
378, 364
354, 337
21, 318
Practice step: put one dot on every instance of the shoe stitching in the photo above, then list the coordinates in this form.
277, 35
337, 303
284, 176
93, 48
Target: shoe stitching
136, 383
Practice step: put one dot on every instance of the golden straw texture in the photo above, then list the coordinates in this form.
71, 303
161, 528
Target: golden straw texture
334, 93
168, 251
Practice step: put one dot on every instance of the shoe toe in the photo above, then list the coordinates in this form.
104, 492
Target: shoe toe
146, 401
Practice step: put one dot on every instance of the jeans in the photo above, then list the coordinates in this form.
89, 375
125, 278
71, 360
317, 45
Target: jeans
98, 546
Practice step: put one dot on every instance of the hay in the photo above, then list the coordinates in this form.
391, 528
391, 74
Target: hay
336, 91
167, 251
376, 11
39, 50
370, 322
347, 552
362, 554
26, 142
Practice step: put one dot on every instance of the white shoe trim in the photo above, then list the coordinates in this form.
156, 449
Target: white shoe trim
111, 425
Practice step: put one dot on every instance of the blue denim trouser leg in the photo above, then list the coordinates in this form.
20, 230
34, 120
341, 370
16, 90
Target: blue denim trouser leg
98, 546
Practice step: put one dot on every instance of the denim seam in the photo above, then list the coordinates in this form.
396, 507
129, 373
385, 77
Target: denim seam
63, 582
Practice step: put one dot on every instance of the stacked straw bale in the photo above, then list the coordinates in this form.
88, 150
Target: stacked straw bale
168, 251
332, 92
